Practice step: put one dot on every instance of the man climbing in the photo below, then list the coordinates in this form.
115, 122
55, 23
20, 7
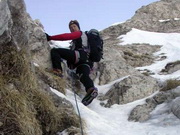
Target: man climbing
77, 58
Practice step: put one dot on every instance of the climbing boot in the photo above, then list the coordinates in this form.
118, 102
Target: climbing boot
57, 72
91, 94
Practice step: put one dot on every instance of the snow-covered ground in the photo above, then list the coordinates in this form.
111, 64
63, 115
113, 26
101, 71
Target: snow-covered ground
113, 121
170, 48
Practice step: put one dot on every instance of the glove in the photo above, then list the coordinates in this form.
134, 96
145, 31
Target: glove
47, 37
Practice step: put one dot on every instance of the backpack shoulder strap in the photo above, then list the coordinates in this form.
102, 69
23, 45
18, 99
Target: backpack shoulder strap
85, 44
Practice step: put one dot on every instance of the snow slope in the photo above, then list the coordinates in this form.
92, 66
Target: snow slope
113, 121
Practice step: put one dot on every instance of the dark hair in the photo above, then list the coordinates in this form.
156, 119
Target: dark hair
74, 22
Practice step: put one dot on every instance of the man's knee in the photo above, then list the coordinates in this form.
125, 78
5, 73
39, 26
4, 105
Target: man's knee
53, 51
84, 78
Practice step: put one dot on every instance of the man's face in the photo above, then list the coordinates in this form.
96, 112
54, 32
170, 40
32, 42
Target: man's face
74, 27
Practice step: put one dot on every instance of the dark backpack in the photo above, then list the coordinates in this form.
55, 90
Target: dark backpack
95, 44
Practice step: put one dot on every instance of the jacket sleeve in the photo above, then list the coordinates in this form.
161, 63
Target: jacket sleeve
67, 36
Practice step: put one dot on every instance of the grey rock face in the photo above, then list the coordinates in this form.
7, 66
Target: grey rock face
130, 89
18, 29
149, 17
171, 67
162, 97
112, 70
142, 113
113, 32
5, 22
38, 46
161, 16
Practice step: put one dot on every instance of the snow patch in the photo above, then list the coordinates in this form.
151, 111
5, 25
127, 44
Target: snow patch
167, 20
35, 64
117, 23
176, 19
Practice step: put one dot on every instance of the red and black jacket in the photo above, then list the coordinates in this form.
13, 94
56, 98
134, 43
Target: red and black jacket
75, 36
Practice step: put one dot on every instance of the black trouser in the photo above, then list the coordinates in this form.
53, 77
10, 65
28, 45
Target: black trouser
57, 54
83, 69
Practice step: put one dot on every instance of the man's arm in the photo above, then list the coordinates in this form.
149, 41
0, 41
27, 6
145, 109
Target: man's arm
66, 36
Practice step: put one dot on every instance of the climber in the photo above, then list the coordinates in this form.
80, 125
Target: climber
76, 57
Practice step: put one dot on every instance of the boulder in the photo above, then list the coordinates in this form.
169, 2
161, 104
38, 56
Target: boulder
142, 113
130, 89
175, 108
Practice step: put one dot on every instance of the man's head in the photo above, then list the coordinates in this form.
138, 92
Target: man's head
74, 26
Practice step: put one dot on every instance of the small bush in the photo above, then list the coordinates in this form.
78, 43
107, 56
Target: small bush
145, 73
171, 84
128, 53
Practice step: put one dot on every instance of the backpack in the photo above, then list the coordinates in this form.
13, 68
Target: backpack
95, 45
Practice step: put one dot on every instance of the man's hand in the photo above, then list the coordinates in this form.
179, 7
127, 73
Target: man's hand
47, 37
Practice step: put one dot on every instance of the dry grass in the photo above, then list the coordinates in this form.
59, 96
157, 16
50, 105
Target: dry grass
145, 73
52, 80
135, 59
17, 116
25, 108
171, 84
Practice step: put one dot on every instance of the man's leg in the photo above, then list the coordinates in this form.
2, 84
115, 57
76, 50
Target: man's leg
84, 71
57, 54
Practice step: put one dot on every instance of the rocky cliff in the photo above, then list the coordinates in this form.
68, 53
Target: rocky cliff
28, 107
